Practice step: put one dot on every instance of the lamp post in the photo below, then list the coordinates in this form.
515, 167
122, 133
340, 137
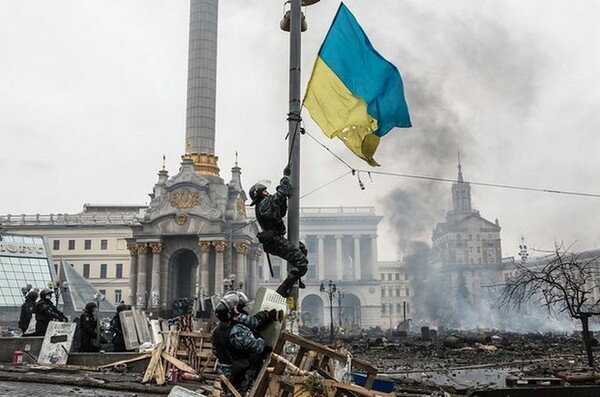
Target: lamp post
330, 291
294, 23
340, 297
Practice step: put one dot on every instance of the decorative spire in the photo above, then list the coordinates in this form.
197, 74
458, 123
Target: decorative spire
460, 176
164, 167
236, 158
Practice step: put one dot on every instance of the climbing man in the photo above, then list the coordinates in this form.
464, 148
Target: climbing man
270, 211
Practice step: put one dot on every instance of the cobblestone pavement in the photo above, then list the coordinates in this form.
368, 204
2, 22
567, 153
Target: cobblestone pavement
24, 389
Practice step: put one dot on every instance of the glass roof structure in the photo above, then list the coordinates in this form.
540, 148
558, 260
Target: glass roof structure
79, 291
24, 261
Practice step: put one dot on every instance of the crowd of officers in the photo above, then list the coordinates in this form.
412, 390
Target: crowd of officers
39, 306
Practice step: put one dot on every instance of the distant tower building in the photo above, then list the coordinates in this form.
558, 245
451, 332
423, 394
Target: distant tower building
467, 252
195, 233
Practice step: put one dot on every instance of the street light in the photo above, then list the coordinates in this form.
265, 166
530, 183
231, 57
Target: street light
295, 100
330, 291
340, 296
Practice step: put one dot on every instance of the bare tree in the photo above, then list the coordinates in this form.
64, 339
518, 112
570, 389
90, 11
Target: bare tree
563, 282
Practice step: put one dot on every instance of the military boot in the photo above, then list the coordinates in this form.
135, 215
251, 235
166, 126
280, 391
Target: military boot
286, 286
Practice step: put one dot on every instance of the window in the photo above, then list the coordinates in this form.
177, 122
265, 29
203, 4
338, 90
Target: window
103, 244
276, 272
383, 292
71, 245
103, 268
86, 270
470, 237
56, 245
397, 276
118, 295
312, 272
87, 244
119, 270
383, 308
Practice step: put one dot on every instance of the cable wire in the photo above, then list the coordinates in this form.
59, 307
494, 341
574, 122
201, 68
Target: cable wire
326, 184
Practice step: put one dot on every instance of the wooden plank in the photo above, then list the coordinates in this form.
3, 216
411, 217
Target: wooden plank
356, 389
129, 360
232, 389
178, 363
154, 361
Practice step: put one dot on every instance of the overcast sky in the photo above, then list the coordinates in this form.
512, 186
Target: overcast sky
93, 93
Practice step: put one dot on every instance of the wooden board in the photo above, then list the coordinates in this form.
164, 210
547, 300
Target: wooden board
57, 343
155, 328
129, 331
267, 299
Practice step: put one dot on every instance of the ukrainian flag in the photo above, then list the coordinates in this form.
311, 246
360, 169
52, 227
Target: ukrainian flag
354, 93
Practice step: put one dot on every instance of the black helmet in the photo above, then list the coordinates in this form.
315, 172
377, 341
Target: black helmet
256, 192
90, 306
122, 307
46, 292
32, 295
226, 306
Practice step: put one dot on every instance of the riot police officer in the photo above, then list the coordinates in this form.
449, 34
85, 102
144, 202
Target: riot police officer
46, 311
235, 345
270, 210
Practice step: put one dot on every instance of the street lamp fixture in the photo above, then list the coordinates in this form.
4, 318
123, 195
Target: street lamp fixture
330, 290
340, 297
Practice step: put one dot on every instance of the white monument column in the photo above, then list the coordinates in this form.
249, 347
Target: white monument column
320, 257
133, 269
203, 275
142, 249
253, 269
155, 296
373, 264
241, 250
220, 247
356, 258
338, 258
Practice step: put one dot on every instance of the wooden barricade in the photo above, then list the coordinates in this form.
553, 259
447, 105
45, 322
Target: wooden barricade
310, 357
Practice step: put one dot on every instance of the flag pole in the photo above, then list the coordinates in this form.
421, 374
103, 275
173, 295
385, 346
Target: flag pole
294, 134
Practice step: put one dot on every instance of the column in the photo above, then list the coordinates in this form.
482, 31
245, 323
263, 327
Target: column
356, 258
373, 266
252, 278
266, 269
338, 258
142, 249
219, 249
203, 274
320, 258
241, 250
155, 295
164, 284
133, 269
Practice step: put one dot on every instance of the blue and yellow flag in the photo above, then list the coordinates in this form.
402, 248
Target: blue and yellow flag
354, 93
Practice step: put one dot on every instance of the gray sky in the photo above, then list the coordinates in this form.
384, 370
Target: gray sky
92, 94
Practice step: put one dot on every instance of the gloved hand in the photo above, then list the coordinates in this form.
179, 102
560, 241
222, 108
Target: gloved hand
287, 171
272, 314
267, 352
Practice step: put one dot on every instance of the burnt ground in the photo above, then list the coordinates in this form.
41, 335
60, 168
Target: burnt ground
463, 361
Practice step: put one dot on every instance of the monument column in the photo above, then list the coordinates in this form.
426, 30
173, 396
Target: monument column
142, 249
241, 250
203, 280
356, 258
373, 264
220, 247
320, 258
155, 295
252, 278
338, 258
133, 269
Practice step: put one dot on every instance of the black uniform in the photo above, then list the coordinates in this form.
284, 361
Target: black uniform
27, 309
45, 311
89, 337
270, 211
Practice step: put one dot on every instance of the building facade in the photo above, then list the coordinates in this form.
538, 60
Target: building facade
467, 254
